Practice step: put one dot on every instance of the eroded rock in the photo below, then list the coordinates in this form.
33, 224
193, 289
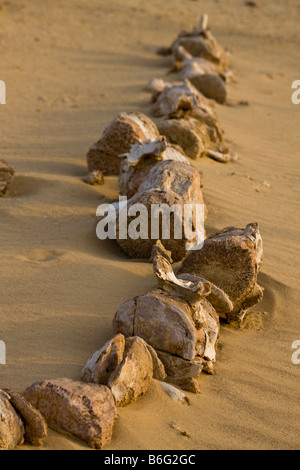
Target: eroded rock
35, 425
117, 138
86, 411
137, 163
7, 173
176, 320
11, 425
201, 43
94, 178
134, 375
231, 260
169, 187
104, 362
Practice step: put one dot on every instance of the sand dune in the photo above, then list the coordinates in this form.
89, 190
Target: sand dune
69, 68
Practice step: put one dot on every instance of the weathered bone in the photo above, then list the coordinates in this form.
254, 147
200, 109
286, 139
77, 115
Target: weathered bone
231, 259
104, 361
201, 43
182, 100
137, 164
177, 321
168, 183
86, 411
117, 138
196, 138
11, 426
134, 375
35, 425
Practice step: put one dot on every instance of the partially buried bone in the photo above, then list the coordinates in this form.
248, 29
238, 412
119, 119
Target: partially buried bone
182, 100
177, 321
11, 425
199, 42
170, 187
86, 411
126, 366
231, 259
137, 163
117, 138
195, 138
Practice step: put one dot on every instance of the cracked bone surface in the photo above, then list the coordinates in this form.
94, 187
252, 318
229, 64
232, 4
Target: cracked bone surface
199, 42
137, 163
230, 259
126, 366
11, 425
204, 78
176, 320
7, 173
86, 411
104, 361
181, 100
196, 138
134, 375
36, 429
117, 138
170, 186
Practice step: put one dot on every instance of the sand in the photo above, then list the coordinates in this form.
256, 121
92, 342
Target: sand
69, 68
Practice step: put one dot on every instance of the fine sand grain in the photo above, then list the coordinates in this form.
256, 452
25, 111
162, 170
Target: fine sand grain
69, 68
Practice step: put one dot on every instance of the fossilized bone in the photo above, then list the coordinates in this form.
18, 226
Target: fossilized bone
173, 184
137, 163
117, 138
87, 411
231, 259
177, 320
199, 43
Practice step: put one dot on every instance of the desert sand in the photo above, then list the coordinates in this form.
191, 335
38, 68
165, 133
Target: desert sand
69, 68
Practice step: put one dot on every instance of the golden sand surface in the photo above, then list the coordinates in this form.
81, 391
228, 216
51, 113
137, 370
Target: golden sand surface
70, 67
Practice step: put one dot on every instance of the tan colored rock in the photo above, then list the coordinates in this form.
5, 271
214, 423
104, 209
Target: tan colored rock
201, 43
166, 323
211, 85
36, 429
179, 368
178, 99
86, 411
117, 138
231, 260
94, 178
104, 362
191, 135
11, 426
137, 163
168, 183
190, 384
182, 100
195, 138
159, 372
134, 375
7, 173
